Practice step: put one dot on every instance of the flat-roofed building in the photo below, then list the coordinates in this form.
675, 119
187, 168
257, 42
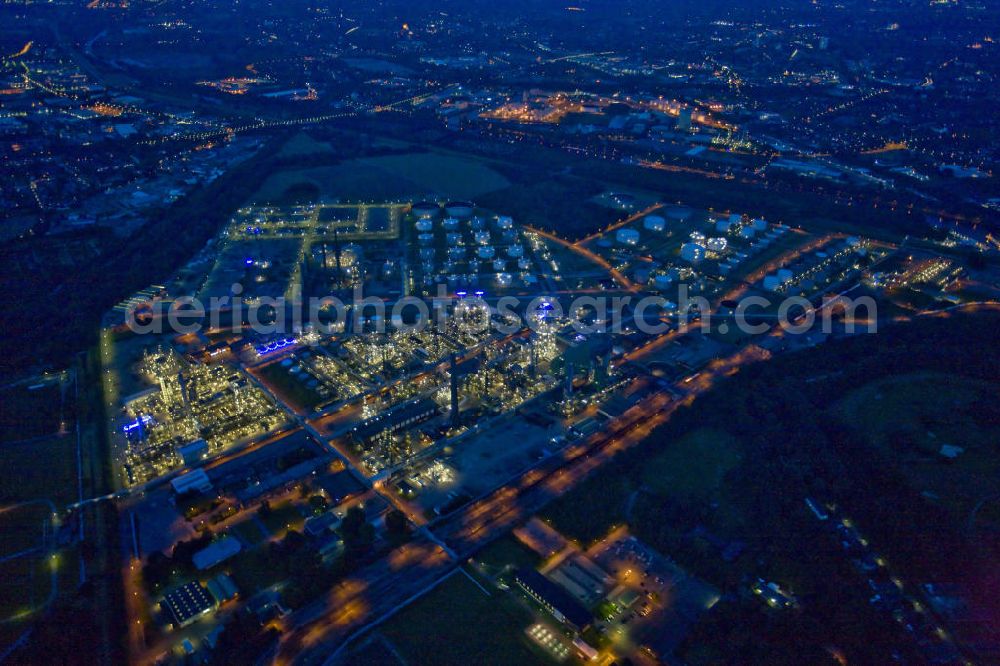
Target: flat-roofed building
216, 553
195, 480
186, 603
554, 599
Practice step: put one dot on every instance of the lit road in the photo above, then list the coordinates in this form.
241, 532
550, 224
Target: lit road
617, 275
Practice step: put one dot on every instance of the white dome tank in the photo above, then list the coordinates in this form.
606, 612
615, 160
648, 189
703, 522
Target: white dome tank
627, 236
654, 223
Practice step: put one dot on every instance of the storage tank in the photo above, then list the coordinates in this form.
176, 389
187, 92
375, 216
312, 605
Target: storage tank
515, 251
662, 281
424, 224
716, 244
499, 265
505, 222
747, 232
425, 239
482, 237
426, 209
459, 209
486, 252
627, 236
723, 226
760, 224
523, 263
654, 223
351, 254
451, 223
477, 223
692, 252
771, 282
785, 275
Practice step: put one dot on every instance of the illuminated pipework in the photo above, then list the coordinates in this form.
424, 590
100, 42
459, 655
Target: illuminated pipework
274, 346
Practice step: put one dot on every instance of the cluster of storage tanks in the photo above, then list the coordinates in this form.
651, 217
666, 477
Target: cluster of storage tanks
734, 225
495, 246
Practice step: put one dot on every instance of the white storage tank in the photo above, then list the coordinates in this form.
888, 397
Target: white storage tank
627, 236
692, 252
654, 223
461, 209
426, 209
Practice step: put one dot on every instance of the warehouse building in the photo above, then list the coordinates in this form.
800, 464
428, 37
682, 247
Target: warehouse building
187, 603
554, 599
